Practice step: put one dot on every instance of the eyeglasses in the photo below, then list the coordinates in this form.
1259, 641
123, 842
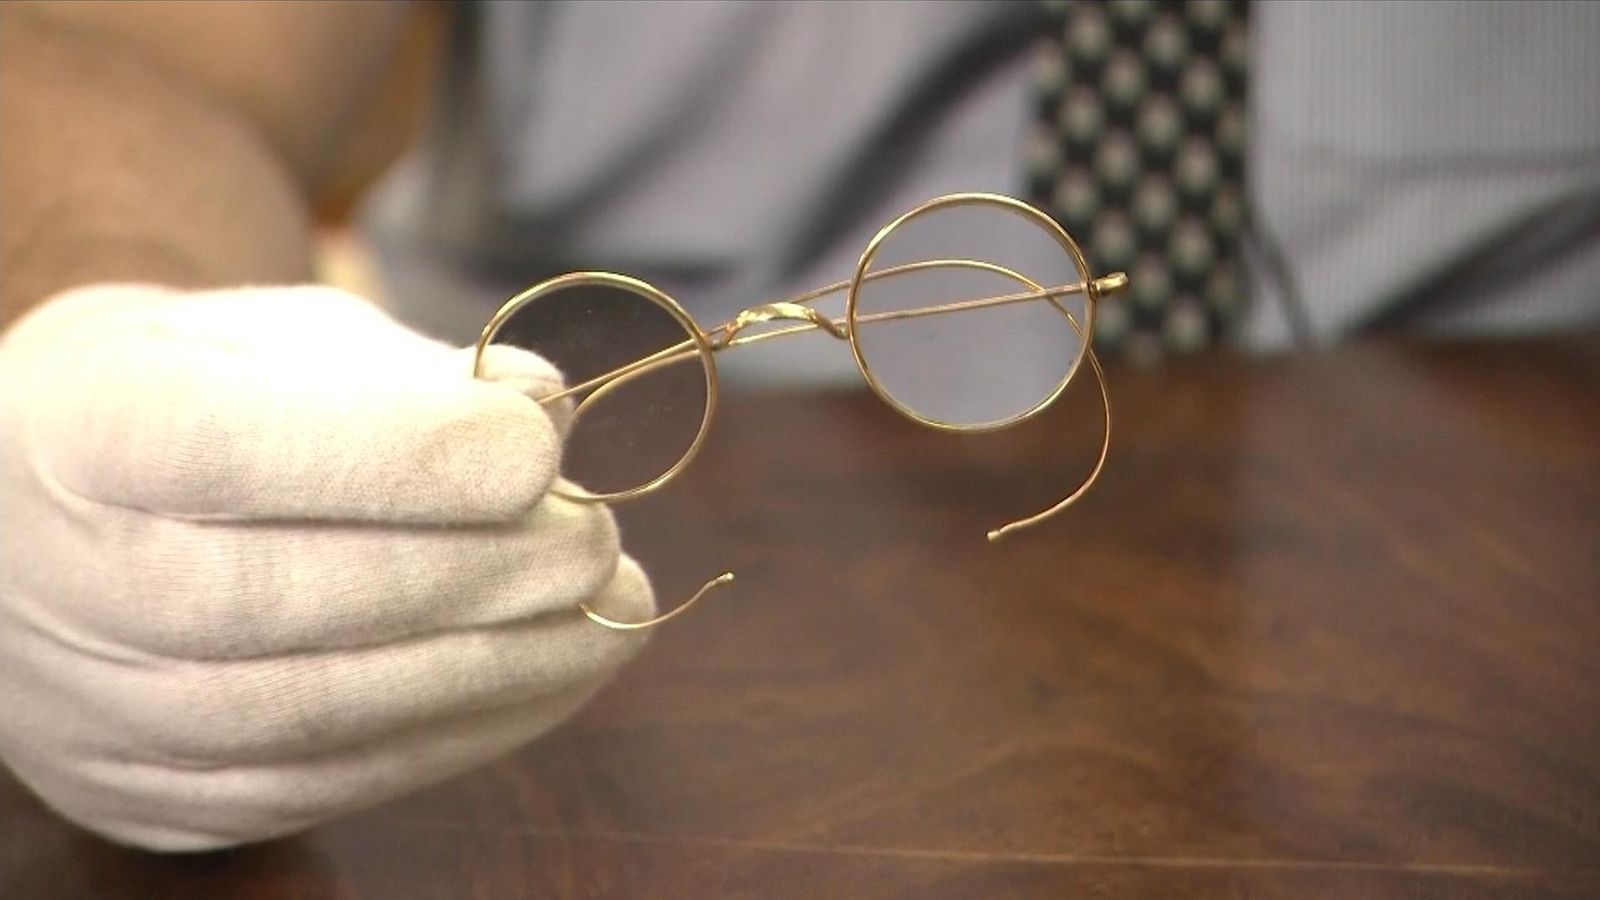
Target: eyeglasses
951, 339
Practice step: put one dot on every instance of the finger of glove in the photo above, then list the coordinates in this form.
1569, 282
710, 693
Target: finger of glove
158, 805
528, 373
231, 712
227, 590
393, 429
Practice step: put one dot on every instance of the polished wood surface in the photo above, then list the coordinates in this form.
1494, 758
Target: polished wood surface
1329, 626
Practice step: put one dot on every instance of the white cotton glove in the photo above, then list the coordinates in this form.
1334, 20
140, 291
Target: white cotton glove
268, 557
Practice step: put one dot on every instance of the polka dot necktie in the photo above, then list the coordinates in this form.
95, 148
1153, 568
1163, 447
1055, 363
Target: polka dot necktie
1139, 153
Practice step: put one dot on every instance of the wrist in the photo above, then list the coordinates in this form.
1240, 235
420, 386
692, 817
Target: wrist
116, 171
63, 264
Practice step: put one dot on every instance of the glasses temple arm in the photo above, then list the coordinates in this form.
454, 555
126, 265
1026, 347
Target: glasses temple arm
1094, 474
686, 350
616, 625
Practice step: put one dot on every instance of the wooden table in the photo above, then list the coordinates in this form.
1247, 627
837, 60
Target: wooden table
1328, 627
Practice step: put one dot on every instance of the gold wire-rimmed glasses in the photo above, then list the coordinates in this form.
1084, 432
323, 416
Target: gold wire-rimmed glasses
703, 345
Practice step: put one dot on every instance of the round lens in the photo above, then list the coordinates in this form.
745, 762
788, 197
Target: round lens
970, 313
643, 382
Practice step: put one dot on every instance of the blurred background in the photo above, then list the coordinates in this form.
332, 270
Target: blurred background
1271, 175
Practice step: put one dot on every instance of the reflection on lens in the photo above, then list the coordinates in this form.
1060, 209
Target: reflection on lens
940, 326
633, 428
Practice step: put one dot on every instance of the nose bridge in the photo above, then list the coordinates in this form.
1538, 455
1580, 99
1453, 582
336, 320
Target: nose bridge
784, 311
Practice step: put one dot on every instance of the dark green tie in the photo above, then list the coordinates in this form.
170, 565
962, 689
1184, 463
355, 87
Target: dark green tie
1139, 153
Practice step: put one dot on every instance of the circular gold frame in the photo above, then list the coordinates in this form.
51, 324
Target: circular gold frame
651, 293
1008, 204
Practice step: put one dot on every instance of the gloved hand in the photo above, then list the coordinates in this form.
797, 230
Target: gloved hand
268, 557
